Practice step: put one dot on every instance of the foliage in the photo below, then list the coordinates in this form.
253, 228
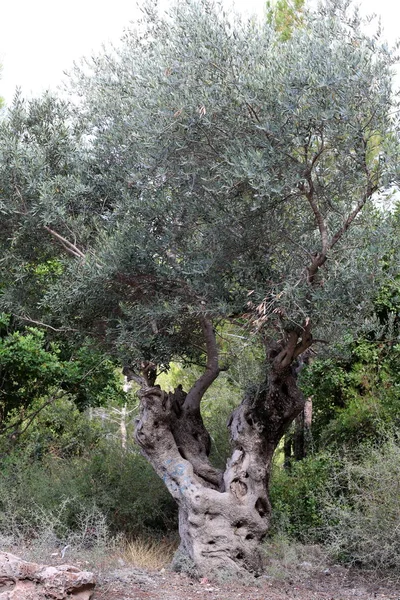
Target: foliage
28, 369
121, 485
284, 15
211, 167
60, 430
355, 388
181, 183
298, 498
349, 503
356, 395
1, 99
364, 519
37, 372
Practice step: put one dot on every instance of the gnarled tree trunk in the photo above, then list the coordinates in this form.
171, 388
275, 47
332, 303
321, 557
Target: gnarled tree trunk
223, 516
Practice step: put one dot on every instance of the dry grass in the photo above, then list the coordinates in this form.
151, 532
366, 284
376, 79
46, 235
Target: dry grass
150, 553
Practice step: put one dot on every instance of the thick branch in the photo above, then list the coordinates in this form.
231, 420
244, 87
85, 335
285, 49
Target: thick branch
306, 339
285, 356
311, 199
319, 218
212, 371
317, 262
293, 347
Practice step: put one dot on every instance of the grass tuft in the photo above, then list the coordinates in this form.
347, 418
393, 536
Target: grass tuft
150, 553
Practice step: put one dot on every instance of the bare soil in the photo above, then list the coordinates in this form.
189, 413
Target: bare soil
335, 583
292, 573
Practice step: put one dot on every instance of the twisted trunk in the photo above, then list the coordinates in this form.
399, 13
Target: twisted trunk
223, 516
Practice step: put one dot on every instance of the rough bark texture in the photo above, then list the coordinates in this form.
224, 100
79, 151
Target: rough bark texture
223, 517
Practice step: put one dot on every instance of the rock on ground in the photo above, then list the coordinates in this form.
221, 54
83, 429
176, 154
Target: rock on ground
22, 580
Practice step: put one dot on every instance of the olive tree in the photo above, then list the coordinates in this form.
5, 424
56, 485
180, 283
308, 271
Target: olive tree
209, 172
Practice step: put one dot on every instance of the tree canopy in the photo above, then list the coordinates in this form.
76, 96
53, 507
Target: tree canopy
210, 166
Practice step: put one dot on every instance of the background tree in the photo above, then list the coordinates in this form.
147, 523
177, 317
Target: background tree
37, 372
211, 173
284, 15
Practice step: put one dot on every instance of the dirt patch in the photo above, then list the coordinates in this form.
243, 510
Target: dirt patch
293, 572
330, 584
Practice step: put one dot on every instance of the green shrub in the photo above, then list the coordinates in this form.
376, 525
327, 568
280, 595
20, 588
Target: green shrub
355, 396
59, 429
298, 498
117, 485
364, 521
126, 488
348, 503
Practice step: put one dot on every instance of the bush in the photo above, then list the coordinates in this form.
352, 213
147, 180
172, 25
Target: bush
119, 486
125, 487
59, 429
349, 503
298, 498
364, 522
355, 396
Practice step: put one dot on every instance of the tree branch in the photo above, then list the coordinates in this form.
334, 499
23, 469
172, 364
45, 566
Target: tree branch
306, 339
67, 245
41, 324
370, 190
212, 371
293, 347
318, 216
309, 194
285, 356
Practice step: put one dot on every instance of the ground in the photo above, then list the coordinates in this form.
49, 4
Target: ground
335, 583
139, 571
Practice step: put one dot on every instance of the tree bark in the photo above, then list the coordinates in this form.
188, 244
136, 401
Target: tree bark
223, 517
302, 439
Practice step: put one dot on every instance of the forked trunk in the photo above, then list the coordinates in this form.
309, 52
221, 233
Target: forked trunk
223, 517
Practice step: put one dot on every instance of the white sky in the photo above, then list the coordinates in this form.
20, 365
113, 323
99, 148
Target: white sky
40, 39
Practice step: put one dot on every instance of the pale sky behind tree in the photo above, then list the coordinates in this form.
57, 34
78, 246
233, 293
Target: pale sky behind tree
40, 39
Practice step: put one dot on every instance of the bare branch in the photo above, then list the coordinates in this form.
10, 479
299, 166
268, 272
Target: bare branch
252, 112
41, 324
67, 245
212, 371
